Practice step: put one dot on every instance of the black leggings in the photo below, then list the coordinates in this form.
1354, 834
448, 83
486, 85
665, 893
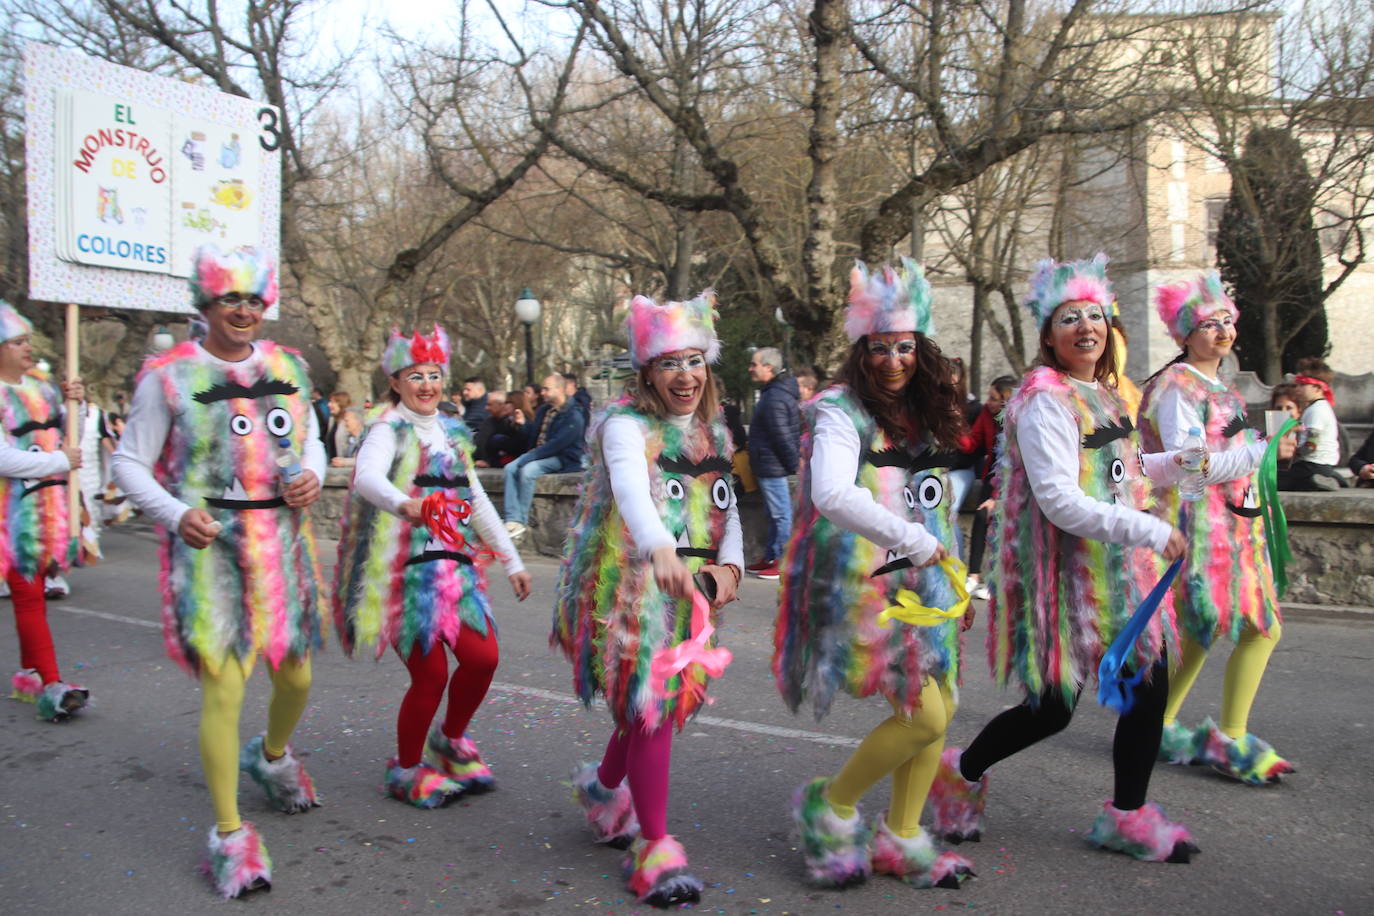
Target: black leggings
1133, 749
978, 538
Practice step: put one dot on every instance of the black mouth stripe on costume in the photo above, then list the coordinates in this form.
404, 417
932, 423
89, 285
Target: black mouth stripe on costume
899, 563
894, 457
218, 502
40, 485
710, 463
706, 553
429, 556
1245, 511
33, 426
438, 480
229, 390
1235, 427
1106, 435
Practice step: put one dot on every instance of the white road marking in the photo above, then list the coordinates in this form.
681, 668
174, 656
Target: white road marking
753, 728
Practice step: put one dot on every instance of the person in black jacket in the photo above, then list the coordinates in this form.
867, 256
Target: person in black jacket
1362, 463
774, 450
474, 401
557, 431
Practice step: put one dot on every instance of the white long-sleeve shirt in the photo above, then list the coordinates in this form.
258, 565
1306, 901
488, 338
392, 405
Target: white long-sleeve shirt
372, 482
623, 450
834, 470
145, 433
1051, 442
1176, 414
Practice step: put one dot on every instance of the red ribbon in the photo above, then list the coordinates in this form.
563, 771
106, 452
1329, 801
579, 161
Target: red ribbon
442, 514
670, 661
1326, 389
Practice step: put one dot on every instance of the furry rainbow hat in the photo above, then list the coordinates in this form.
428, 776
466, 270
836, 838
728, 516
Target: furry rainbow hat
12, 324
889, 301
402, 351
653, 329
246, 271
1183, 305
1053, 283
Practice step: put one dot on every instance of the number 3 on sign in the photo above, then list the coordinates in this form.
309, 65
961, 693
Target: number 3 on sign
270, 139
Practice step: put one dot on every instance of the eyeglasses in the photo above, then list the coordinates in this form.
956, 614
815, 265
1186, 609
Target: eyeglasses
1072, 317
900, 349
1216, 325
681, 364
234, 300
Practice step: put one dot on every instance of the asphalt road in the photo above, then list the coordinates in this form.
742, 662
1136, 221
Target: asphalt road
108, 813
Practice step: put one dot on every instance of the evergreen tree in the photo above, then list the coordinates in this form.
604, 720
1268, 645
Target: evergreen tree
1269, 256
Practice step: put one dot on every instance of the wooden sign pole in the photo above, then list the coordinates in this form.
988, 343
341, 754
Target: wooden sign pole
73, 432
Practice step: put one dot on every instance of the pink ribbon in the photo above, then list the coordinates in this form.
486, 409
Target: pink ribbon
671, 661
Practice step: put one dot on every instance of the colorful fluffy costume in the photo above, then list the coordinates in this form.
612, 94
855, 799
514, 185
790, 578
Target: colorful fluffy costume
613, 621
1060, 595
34, 536
1227, 585
837, 580
219, 455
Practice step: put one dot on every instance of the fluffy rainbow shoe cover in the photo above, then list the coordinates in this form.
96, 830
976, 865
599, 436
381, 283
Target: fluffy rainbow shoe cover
835, 849
288, 786
956, 804
239, 863
1178, 744
1247, 758
58, 700
26, 685
915, 860
421, 785
656, 872
459, 761
610, 812
1144, 833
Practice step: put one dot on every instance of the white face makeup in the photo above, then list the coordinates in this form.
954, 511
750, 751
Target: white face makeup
420, 387
1078, 337
892, 358
679, 378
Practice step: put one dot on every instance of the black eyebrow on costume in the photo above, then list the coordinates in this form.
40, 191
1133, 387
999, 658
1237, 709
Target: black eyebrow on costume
33, 426
695, 468
932, 459
1105, 435
261, 388
894, 457
439, 480
1237, 425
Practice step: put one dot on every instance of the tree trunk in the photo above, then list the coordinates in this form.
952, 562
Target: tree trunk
827, 24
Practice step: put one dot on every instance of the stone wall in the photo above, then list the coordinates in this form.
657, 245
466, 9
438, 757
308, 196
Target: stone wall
1331, 534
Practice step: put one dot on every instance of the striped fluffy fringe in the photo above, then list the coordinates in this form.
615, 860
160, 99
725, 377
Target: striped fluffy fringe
239, 862
421, 785
956, 804
459, 759
836, 850
1248, 759
656, 872
26, 685
916, 861
288, 786
57, 701
610, 812
1144, 833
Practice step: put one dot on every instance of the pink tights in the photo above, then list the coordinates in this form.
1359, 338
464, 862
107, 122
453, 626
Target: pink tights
646, 758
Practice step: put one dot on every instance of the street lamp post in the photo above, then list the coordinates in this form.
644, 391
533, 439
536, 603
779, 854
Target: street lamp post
163, 339
781, 319
527, 310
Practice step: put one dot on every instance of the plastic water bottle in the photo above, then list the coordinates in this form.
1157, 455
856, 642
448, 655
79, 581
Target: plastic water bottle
288, 462
1192, 455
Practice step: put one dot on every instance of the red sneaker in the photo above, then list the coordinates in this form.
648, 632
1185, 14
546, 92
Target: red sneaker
761, 564
768, 572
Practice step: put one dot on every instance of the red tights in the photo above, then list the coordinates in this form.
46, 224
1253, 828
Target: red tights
31, 620
477, 656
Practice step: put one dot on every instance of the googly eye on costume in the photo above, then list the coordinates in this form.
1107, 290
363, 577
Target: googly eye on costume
1118, 470
35, 447
279, 422
720, 493
930, 493
909, 497
675, 489
240, 424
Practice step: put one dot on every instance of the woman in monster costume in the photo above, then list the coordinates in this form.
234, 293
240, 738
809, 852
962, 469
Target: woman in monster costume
1075, 551
418, 590
1226, 586
223, 451
875, 515
33, 492
655, 537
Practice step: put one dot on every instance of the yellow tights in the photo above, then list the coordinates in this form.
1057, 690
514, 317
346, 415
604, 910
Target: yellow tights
221, 701
1243, 674
907, 747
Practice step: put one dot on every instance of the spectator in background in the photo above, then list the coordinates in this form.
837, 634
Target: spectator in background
1319, 450
981, 444
348, 438
579, 396
474, 400
322, 405
557, 431
962, 473
969, 404
502, 437
774, 450
807, 382
1285, 397
1362, 463
339, 402
532, 400
734, 421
